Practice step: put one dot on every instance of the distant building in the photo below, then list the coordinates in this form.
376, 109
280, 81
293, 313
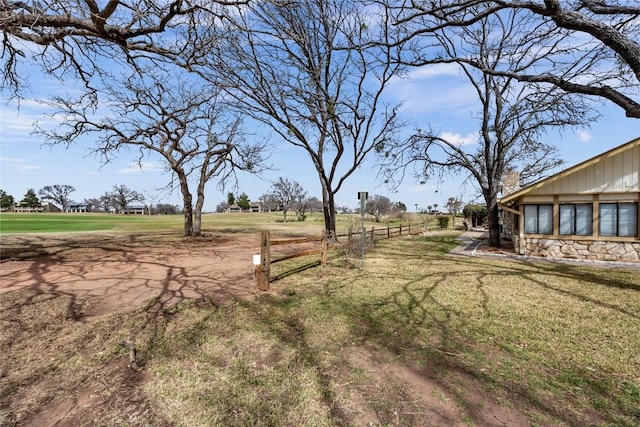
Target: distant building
79, 207
253, 207
135, 210
42, 207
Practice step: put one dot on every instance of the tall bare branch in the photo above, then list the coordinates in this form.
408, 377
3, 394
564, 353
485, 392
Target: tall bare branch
512, 117
78, 36
180, 120
590, 47
298, 69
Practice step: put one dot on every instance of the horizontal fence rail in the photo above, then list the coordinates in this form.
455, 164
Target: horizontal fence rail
263, 267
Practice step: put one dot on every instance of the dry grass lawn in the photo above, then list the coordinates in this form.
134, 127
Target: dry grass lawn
417, 337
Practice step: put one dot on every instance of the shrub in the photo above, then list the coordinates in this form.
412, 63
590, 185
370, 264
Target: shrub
443, 221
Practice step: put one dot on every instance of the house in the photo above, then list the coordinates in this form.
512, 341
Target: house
42, 207
78, 207
588, 211
134, 210
234, 208
253, 207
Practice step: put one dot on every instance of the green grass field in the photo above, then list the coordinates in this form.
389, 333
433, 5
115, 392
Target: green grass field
66, 223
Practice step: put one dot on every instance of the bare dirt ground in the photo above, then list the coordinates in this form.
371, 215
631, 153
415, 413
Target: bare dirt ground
116, 274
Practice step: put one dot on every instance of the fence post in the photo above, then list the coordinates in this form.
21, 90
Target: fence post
265, 261
400, 229
323, 259
373, 230
409, 229
388, 232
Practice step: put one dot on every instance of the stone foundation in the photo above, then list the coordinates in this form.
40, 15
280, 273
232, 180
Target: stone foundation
584, 249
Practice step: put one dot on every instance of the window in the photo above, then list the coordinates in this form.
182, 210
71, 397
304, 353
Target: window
576, 219
538, 219
619, 219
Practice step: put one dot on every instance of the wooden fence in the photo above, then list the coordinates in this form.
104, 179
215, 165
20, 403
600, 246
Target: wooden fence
263, 269
263, 265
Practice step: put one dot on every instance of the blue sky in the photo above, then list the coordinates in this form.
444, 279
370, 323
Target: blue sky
437, 96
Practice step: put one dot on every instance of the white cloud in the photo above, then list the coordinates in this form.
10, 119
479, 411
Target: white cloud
456, 138
27, 167
136, 167
584, 136
434, 71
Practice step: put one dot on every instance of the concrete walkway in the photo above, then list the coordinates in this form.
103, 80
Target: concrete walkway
469, 242
471, 239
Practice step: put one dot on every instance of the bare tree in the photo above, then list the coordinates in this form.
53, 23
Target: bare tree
174, 117
588, 47
106, 202
57, 193
269, 202
222, 207
314, 204
74, 36
454, 205
287, 192
512, 117
167, 209
296, 67
93, 204
379, 206
122, 196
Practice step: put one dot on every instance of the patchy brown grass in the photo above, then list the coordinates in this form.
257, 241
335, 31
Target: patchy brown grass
415, 338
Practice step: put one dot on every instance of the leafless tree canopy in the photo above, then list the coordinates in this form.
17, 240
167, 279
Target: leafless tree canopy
58, 193
512, 116
122, 196
589, 47
288, 195
176, 117
77, 35
379, 206
298, 68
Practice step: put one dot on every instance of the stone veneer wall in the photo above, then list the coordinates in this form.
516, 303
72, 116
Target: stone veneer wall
584, 249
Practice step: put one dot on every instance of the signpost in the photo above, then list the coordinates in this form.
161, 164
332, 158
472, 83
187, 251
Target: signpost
362, 196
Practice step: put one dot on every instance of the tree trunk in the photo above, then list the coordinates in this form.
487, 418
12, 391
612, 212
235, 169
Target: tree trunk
188, 219
329, 211
188, 205
197, 213
493, 220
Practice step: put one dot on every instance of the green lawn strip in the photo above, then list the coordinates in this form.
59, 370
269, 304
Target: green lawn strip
211, 223
64, 223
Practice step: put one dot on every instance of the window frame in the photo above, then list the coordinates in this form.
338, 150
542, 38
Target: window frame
575, 218
634, 218
537, 218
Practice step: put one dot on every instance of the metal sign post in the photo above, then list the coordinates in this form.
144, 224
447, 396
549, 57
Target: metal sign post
362, 196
